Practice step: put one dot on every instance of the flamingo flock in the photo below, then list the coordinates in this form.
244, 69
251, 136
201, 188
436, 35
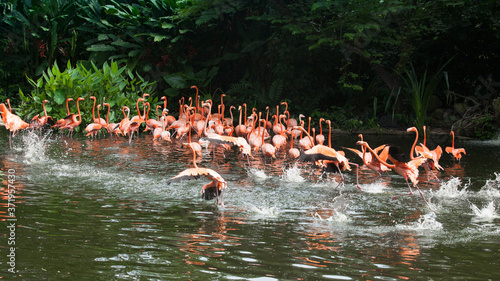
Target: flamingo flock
252, 135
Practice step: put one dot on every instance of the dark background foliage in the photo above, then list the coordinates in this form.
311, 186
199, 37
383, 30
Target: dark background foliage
349, 61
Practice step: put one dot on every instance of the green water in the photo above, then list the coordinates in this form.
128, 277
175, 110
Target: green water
101, 210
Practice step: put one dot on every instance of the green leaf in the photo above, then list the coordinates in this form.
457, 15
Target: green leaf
101, 48
158, 38
175, 81
125, 44
167, 25
59, 97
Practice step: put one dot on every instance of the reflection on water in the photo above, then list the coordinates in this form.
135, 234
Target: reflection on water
101, 210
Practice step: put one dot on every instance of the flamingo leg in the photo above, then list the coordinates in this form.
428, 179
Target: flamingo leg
357, 175
429, 171
216, 194
130, 138
411, 191
341, 176
425, 200
221, 198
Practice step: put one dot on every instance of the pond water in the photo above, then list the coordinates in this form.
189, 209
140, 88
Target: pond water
101, 210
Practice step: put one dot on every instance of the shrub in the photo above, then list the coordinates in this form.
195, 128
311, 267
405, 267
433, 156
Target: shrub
118, 86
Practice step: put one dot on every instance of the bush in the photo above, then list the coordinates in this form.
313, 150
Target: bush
118, 86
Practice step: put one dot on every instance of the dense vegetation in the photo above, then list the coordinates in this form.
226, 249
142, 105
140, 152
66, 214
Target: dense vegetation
359, 63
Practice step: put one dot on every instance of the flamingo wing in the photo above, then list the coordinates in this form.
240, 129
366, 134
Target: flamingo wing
449, 149
196, 173
358, 152
319, 152
383, 156
238, 141
215, 138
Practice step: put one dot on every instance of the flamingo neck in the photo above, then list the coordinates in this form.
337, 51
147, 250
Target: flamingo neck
194, 156
67, 106
138, 110
78, 109
425, 135
93, 111
147, 113
245, 105
107, 115
453, 139
329, 134
392, 166
413, 146
44, 110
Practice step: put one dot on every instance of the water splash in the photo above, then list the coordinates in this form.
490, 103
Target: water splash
292, 174
491, 188
338, 207
336, 217
450, 189
487, 213
257, 174
425, 222
376, 187
264, 210
34, 146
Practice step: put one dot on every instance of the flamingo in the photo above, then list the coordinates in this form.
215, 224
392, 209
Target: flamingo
219, 128
431, 156
241, 129
268, 150
279, 140
113, 128
136, 121
152, 123
320, 138
138, 117
161, 132
169, 118
293, 152
130, 128
455, 152
208, 191
38, 122
198, 115
99, 120
290, 122
12, 122
305, 143
240, 142
254, 136
125, 119
408, 170
278, 128
196, 147
76, 119
228, 124
8, 103
66, 120
371, 162
335, 161
94, 128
